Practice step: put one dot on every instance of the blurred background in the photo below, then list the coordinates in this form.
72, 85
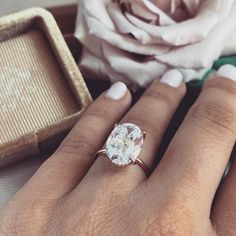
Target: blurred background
8, 6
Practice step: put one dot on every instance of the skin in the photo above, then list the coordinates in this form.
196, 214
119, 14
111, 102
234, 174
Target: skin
75, 194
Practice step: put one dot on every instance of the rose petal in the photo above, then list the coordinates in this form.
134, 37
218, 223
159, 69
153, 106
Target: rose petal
81, 32
110, 51
179, 34
92, 66
192, 6
219, 7
142, 12
141, 73
164, 5
96, 28
97, 9
164, 18
230, 44
124, 26
210, 49
189, 31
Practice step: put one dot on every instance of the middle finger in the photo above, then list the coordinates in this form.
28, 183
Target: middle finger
198, 154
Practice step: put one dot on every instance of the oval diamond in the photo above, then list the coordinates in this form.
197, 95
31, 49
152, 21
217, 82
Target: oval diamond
124, 144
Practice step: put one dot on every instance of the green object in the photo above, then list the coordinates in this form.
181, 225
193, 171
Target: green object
217, 64
225, 60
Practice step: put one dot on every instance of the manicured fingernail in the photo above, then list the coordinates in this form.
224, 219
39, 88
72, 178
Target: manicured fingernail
117, 91
173, 78
227, 71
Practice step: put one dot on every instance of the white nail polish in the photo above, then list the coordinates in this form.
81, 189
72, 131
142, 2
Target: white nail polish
117, 91
172, 78
227, 71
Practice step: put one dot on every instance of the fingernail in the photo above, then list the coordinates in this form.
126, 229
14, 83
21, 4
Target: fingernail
227, 71
172, 78
117, 91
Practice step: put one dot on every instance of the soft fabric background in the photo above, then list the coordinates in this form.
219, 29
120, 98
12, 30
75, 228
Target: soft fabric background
12, 178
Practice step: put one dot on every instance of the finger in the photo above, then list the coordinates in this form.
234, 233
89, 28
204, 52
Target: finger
152, 113
60, 173
196, 158
223, 213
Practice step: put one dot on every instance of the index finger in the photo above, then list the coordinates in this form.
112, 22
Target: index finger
64, 170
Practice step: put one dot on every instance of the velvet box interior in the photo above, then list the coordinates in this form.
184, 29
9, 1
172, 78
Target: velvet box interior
42, 92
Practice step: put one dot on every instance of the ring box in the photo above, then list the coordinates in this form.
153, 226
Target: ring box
42, 92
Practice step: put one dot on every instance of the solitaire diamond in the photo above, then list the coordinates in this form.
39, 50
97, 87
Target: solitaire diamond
124, 144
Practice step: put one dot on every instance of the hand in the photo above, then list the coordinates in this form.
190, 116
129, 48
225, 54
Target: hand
75, 194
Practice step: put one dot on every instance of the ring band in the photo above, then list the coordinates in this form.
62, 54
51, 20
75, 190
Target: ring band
138, 161
124, 145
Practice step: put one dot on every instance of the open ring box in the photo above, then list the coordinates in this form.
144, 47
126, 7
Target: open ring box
42, 92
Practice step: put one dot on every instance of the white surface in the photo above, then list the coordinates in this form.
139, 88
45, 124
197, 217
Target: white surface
8, 6
13, 177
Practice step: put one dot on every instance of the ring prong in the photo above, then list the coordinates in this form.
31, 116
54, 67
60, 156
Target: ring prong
101, 152
115, 125
128, 136
144, 135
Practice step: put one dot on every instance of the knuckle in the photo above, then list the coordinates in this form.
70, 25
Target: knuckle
220, 86
161, 96
172, 219
75, 226
93, 223
216, 116
190, 185
98, 114
79, 144
162, 227
89, 223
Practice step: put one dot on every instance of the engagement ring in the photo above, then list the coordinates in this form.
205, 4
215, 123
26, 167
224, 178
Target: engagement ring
124, 145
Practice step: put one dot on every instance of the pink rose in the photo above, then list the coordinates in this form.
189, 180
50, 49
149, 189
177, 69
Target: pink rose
138, 40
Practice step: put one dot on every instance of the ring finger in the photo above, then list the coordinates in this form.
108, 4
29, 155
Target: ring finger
152, 114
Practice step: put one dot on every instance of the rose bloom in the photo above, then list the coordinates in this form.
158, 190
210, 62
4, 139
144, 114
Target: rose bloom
136, 41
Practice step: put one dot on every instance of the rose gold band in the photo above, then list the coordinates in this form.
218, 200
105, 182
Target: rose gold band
101, 152
138, 161
143, 166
